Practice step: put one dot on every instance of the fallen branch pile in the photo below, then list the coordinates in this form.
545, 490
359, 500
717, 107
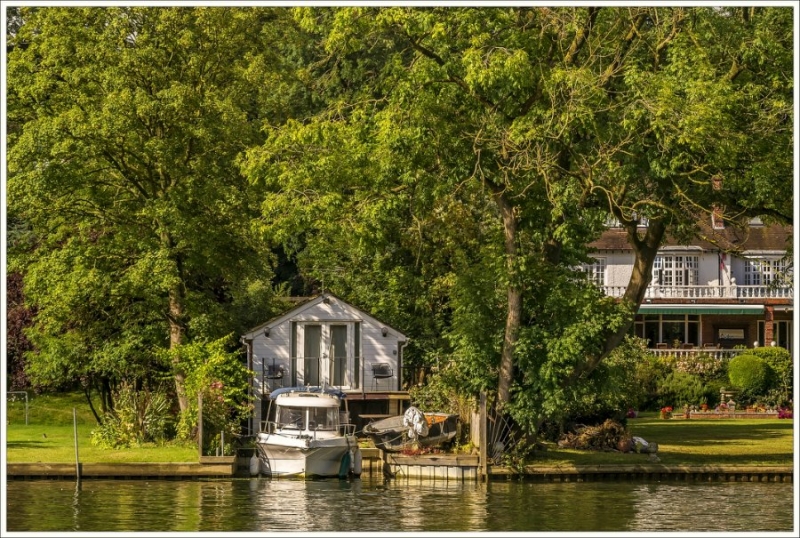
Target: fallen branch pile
608, 436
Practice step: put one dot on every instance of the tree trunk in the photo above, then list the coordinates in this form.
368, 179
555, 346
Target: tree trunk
87, 393
175, 340
645, 251
514, 298
175, 316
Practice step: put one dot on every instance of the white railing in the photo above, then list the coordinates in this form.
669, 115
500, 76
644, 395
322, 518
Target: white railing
708, 292
691, 353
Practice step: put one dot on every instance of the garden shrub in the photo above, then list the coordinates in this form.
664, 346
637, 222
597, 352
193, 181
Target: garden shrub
650, 373
780, 360
681, 388
222, 380
752, 375
139, 416
621, 382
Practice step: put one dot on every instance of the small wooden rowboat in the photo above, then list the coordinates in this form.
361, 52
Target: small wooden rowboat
395, 434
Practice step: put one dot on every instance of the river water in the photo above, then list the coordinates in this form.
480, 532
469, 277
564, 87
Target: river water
373, 505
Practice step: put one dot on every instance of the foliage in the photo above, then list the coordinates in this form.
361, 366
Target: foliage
705, 366
223, 382
443, 167
752, 375
52, 414
18, 318
493, 143
624, 381
681, 388
121, 170
139, 416
782, 365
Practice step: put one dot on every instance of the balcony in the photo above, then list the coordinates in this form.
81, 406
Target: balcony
709, 292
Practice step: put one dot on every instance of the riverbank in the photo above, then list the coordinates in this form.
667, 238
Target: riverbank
440, 467
375, 467
734, 449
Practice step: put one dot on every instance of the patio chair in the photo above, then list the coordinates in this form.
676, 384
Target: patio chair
381, 370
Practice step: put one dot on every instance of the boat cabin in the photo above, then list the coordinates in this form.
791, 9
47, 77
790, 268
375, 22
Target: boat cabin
304, 413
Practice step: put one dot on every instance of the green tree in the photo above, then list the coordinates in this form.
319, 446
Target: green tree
498, 141
123, 174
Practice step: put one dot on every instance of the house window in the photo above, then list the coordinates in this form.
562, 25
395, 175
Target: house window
763, 272
668, 328
676, 270
596, 272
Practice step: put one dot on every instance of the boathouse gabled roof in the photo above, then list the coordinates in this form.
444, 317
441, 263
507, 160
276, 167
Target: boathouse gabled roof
307, 303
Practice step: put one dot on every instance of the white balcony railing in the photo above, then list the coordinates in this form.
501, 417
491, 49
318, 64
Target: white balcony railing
717, 354
708, 292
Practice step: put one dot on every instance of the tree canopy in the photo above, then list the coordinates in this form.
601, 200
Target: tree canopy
123, 172
472, 153
442, 167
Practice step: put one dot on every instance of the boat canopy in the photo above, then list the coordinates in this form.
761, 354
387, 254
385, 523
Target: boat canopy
312, 389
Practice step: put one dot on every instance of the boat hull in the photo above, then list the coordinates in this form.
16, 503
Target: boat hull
306, 458
391, 435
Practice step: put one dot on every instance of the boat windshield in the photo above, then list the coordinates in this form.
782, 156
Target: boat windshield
311, 418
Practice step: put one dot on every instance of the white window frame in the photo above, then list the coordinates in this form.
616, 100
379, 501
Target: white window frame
764, 271
671, 270
595, 272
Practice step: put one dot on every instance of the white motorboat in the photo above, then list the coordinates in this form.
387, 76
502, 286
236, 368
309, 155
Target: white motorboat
307, 434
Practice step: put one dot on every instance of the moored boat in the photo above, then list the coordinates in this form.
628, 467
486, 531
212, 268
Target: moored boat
401, 432
308, 434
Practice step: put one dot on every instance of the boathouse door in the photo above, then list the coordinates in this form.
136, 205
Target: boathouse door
312, 356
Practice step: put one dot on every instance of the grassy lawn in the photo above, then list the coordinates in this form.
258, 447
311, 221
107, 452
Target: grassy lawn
760, 442
49, 436
681, 442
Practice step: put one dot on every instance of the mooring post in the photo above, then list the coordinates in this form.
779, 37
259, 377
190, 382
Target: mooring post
484, 450
200, 423
75, 432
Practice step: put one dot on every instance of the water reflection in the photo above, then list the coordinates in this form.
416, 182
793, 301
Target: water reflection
372, 505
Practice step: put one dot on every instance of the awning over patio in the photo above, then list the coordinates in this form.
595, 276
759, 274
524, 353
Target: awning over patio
701, 309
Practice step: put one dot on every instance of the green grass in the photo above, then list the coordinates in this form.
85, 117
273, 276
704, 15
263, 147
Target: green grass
760, 442
49, 435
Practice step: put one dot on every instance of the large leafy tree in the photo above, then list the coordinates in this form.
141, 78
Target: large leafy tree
495, 142
138, 223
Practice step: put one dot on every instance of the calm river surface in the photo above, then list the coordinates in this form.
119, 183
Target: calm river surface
374, 505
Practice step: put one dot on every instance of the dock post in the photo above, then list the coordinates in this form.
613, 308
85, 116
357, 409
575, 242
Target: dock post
200, 423
484, 450
75, 433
